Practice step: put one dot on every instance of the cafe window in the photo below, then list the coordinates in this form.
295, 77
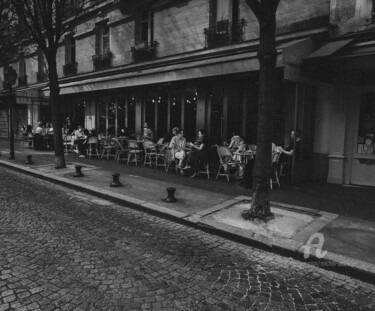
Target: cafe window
366, 125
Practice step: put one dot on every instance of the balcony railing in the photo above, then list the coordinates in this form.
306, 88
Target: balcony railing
22, 80
224, 33
102, 61
144, 50
70, 69
41, 76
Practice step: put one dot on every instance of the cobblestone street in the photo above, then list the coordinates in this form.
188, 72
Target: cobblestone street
64, 250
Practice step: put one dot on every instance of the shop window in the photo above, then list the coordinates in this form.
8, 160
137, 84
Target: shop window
366, 125
225, 25
70, 67
22, 77
103, 57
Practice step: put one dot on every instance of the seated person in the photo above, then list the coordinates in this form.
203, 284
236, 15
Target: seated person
78, 139
236, 142
123, 132
177, 145
287, 153
169, 135
199, 152
148, 134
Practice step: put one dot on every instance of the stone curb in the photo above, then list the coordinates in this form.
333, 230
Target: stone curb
285, 247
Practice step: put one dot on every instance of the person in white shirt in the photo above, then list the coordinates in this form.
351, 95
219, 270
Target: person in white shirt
177, 145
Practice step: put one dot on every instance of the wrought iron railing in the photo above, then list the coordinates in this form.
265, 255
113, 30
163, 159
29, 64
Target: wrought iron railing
102, 61
144, 50
22, 80
224, 33
70, 69
41, 76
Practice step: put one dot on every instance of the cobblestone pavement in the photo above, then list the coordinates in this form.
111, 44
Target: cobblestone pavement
63, 250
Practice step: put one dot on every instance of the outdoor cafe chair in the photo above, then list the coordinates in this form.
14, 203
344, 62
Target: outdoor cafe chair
28, 140
208, 167
108, 147
150, 152
92, 147
120, 151
227, 166
67, 143
135, 152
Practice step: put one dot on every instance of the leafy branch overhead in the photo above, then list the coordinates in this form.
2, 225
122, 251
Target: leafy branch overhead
46, 21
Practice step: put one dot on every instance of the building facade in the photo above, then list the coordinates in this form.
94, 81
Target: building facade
193, 64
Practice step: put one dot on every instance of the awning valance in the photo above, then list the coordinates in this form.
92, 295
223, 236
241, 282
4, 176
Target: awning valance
232, 64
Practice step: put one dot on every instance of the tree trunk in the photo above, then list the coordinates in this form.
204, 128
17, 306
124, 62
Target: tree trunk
260, 205
57, 121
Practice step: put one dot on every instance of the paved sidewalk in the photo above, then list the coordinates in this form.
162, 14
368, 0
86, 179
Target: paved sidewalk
340, 218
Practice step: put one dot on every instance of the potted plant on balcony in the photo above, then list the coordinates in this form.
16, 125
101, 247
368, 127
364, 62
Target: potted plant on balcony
102, 61
144, 50
70, 69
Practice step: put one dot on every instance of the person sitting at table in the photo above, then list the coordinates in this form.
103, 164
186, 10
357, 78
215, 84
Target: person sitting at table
124, 132
78, 140
177, 145
198, 154
236, 142
148, 134
168, 137
49, 129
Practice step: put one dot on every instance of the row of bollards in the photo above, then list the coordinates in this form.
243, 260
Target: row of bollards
115, 180
116, 183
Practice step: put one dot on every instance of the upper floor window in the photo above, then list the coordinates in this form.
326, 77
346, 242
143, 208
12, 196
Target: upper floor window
22, 77
224, 10
145, 45
225, 25
103, 57
102, 39
70, 66
145, 26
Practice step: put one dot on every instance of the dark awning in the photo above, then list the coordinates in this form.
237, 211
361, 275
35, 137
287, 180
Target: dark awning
319, 65
328, 49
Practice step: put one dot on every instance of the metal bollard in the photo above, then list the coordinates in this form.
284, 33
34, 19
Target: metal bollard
78, 171
116, 181
171, 198
29, 160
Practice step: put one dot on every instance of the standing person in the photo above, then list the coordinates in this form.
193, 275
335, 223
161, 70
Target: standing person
177, 145
199, 152
38, 137
148, 134
287, 153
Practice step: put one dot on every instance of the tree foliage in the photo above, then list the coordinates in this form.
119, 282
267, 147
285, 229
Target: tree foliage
45, 23
10, 31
